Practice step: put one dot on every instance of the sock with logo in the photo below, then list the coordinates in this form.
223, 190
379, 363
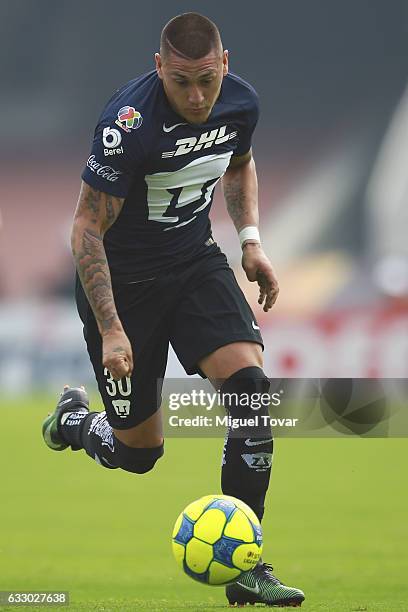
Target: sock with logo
248, 448
92, 432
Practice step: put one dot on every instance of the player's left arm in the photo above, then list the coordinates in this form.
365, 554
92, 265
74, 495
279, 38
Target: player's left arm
240, 186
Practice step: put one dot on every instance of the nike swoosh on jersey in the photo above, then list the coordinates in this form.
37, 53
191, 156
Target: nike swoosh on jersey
255, 589
172, 127
249, 443
255, 326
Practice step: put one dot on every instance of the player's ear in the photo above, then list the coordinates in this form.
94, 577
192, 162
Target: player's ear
158, 61
225, 62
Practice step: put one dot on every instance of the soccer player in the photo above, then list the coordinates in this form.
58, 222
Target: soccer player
150, 272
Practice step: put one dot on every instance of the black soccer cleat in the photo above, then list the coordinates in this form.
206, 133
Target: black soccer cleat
73, 399
259, 585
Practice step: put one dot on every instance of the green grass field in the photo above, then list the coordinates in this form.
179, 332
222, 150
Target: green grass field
336, 521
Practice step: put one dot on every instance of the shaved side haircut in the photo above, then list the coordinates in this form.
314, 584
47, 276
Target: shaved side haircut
190, 36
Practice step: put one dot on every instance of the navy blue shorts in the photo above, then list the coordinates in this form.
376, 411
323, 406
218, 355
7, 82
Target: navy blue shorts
196, 307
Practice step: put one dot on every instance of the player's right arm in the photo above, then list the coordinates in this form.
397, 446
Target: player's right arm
96, 211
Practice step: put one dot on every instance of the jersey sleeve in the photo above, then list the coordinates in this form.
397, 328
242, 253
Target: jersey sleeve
249, 121
116, 156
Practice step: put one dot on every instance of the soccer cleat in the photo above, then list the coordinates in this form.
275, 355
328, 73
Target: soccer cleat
72, 399
259, 585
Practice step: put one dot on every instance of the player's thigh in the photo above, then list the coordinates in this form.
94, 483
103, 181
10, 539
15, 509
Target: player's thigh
214, 325
149, 434
228, 359
132, 403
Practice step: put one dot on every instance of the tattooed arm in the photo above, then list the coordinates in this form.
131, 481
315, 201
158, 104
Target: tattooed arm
240, 186
95, 213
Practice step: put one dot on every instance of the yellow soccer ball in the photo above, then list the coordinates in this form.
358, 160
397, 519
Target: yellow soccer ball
217, 538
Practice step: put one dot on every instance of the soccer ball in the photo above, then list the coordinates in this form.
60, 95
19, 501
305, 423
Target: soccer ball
217, 538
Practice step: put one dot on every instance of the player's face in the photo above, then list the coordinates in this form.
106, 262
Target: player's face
193, 86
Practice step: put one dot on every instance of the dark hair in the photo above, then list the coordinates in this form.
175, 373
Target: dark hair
191, 36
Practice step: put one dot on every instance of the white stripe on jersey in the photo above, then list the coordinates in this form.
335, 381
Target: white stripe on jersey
191, 179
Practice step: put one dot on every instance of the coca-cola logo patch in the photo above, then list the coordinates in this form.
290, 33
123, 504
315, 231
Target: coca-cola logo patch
106, 172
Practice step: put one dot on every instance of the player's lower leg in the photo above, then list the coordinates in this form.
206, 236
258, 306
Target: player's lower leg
245, 474
73, 425
247, 456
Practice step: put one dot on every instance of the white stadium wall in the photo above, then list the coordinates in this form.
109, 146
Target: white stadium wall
41, 347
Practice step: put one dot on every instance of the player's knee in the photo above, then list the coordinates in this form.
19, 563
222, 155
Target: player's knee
246, 391
136, 460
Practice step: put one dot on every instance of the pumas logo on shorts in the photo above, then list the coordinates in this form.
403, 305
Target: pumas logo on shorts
122, 408
206, 140
129, 118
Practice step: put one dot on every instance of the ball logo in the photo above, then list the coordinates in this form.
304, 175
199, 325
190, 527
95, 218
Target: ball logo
129, 118
217, 538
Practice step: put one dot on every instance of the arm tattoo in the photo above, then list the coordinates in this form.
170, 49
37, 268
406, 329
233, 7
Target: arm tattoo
235, 199
92, 204
110, 212
94, 272
96, 212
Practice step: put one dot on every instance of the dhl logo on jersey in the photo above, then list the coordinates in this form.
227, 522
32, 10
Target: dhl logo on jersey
205, 141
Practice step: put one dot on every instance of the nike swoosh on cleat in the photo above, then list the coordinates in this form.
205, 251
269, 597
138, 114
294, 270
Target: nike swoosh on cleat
65, 401
172, 127
249, 443
47, 436
255, 589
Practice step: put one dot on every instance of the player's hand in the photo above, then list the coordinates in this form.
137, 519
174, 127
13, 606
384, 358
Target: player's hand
117, 354
258, 268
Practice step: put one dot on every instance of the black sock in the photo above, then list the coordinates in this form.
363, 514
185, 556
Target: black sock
92, 432
247, 456
246, 470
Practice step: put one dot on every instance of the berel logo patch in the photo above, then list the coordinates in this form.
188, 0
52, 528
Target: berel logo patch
111, 140
111, 137
117, 151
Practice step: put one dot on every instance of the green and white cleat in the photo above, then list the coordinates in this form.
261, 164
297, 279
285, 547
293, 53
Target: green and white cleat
73, 399
259, 585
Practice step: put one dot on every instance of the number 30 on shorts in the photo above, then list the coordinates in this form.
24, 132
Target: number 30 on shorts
121, 387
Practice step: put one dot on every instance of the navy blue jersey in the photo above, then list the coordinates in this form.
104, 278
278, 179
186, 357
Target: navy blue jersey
166, 169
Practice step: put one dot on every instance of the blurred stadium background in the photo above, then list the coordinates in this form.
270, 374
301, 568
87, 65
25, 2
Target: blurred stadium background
331, 149
332, 154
